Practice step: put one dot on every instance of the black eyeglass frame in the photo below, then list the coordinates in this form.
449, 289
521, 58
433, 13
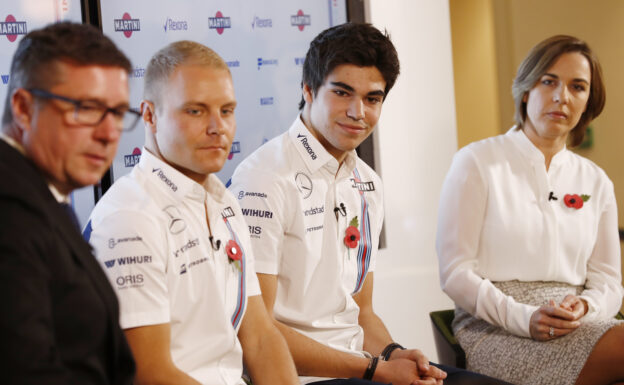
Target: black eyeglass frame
41, 93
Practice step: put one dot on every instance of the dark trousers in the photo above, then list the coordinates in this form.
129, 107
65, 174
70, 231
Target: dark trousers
455, 376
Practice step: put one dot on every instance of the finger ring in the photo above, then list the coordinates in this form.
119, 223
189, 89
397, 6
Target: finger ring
551, 332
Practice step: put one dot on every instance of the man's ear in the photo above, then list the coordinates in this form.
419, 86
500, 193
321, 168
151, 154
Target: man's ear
22, 108
148, 113
308, 94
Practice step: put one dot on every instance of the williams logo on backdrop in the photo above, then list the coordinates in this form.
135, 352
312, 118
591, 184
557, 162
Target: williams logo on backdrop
127, 25
219, 22
11, 28
175, 25
266, 62
300, 20
132, 159
5, 78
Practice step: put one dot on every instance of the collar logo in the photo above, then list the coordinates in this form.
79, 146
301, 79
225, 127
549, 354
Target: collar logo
11, 28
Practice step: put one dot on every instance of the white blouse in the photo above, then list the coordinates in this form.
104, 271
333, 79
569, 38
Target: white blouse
498, 221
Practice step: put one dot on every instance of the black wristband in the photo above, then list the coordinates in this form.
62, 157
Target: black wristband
385, 354
370, 370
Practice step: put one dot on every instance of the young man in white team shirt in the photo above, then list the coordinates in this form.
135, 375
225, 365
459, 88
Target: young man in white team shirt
173, 240
315, 212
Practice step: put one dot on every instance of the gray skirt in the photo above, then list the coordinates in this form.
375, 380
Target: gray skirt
493, 351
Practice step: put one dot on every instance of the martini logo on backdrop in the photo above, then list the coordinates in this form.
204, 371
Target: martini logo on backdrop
11, 28
127, 25
175, 25
300, 20
132, 159
219, 22
234, 150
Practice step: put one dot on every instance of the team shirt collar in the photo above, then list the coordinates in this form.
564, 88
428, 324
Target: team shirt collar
312, 152
530, 151
176, 184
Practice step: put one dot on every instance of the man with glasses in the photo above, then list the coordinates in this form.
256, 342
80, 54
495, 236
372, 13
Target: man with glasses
66, 105
174, 242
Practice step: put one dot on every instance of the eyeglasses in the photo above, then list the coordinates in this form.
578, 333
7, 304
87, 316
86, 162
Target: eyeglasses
92, 113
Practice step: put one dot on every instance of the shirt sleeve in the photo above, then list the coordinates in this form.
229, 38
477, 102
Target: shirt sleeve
460, 220
603, 289
132, 251
261, 199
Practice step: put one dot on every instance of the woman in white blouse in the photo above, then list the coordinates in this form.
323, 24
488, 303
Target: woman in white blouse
527, 235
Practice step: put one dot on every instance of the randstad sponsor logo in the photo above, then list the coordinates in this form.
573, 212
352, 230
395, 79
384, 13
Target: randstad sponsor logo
306, 145
299, 61
5, 79
300, 20
11, 28
266, 62
127, 25
175, 25
268, 101
242, 194
234, 63
261, 23
219, 22
188, 245
257, 213
132, 159
137, 73
234, 150
363, 186
227, 212
314, 211
132, 260
112, 242
165, 179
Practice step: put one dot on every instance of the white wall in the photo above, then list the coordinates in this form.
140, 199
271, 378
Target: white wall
416, 140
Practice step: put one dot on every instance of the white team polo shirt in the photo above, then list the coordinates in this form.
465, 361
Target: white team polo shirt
288, 190
503, 217
151, 236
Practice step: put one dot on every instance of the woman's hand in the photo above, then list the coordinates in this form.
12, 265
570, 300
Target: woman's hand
552, 321
575, 305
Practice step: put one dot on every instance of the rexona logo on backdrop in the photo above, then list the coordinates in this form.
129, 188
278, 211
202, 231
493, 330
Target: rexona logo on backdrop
11, 28
300, 20
219, 22
132, 159
127, 25
175, 25
261, 23
234, 150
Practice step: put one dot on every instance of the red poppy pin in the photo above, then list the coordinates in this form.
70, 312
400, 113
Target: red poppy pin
352, 234
575, 201
234, 253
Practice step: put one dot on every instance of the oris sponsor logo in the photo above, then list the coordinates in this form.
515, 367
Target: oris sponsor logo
242, 194
261, 23
363, 186
189, 245
227, 212
304, 184
11, 28
112, 242
233, 63
299, 61
137, 73
219, 22
255, 231
257, 213
306, 145
266, 62
128, 281
234, 150
132, 159
268, 101
300, 20
165, 179
172, 25
127, 25
314, 211
132, 260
